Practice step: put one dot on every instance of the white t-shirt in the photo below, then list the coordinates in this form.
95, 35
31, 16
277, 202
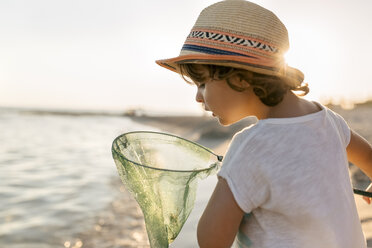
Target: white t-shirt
291, 175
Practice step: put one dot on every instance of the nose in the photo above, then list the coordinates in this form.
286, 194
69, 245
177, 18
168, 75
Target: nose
199, 95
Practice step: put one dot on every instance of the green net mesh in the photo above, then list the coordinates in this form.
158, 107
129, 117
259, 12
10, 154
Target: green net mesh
161, 171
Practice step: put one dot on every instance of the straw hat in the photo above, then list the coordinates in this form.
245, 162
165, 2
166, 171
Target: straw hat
239, 34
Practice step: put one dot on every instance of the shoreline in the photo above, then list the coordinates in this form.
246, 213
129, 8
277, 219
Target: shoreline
121, 224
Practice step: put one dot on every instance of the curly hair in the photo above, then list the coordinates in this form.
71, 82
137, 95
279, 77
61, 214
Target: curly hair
269, 89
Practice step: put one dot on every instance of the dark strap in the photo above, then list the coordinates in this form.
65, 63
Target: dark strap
362, 192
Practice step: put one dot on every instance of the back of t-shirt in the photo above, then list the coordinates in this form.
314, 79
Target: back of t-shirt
292, 175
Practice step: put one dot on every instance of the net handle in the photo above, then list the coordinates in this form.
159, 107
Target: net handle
362, 192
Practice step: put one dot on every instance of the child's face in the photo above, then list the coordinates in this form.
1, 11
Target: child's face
228, 105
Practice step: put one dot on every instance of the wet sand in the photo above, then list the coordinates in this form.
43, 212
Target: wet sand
122, 224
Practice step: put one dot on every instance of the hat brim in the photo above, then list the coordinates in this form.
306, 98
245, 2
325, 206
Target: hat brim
292, 75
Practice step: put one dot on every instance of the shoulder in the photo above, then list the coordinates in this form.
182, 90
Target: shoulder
264, 132
247, 133
243, 138
246, 145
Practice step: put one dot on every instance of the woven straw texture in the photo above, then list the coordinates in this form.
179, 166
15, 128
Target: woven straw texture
245, 19
239, 34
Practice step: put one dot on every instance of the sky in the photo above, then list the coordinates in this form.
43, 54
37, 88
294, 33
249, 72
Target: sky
100, 54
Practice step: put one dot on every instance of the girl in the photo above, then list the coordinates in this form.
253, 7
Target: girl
284, 181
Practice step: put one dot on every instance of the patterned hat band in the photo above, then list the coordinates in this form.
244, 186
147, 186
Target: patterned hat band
221, 37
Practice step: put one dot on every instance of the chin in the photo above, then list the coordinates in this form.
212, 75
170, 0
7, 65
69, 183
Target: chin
224, 122
228, 122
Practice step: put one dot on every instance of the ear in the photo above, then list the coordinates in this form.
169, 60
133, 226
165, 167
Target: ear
239, 82
244, 83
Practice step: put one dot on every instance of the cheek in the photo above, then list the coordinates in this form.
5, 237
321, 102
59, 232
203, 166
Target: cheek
212, 97
220, 97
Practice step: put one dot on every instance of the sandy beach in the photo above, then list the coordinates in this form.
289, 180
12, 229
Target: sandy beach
123, 225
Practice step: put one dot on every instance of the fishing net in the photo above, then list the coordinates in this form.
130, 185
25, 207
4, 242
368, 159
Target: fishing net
161, 171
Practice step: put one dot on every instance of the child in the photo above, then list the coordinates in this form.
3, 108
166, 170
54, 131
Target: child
290, 169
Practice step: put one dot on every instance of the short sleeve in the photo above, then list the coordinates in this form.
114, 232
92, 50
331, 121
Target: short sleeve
343, 129
244, 178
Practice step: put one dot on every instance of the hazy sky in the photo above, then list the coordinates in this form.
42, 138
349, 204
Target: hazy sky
95, 54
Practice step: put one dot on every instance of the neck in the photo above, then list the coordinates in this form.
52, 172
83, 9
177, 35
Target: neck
290, 106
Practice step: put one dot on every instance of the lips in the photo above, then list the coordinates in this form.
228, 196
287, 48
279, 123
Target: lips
210, 111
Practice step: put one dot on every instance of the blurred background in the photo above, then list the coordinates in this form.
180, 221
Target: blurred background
99, 55
75, 74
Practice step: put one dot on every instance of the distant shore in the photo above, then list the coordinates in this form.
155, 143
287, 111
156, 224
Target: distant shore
139, 112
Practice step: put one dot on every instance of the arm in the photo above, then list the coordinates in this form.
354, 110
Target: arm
221, 219
359, 152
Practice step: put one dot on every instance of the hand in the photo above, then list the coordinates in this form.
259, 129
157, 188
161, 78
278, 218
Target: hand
368, 199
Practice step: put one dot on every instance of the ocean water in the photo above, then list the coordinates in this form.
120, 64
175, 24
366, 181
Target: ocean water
55, 174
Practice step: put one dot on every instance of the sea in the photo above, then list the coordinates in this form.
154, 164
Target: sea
56, 174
